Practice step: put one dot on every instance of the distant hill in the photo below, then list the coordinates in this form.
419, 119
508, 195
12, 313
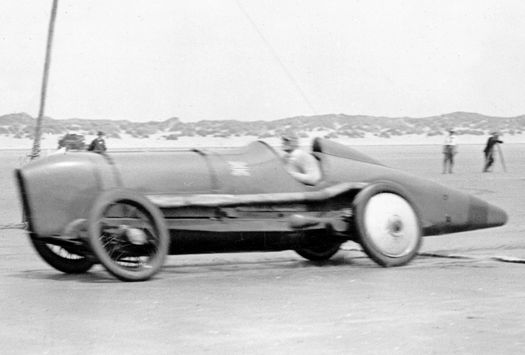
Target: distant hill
21, 125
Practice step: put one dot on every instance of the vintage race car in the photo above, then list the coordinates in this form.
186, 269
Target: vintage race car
128, 210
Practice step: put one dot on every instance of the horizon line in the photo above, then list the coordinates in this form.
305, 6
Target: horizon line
267, 120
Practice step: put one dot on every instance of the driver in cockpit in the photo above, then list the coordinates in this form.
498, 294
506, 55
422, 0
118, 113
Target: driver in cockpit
301, 165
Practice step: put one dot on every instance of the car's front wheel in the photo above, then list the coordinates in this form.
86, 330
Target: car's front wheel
387, 224
60, 258
128, 235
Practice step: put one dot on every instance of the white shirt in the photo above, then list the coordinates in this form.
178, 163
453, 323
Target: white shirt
450, 140
303, 166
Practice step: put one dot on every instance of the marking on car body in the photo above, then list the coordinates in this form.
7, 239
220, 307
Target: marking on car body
239, 168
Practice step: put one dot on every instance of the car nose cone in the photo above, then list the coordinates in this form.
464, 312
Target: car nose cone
483, 215
496, 216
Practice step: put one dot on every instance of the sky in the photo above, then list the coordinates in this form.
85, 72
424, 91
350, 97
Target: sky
150, 60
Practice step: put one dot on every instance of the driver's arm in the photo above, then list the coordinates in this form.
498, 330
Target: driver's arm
310, 172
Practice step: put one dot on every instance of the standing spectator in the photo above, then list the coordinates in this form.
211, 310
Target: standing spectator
450, 149
98, 145
489, 151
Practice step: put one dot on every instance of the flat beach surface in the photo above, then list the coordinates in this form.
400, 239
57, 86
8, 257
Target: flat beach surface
465, 293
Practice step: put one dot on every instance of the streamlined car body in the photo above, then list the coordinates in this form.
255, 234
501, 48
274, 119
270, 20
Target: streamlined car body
129, 210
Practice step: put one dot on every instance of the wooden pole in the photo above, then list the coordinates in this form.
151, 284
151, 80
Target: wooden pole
500, 153
35, 152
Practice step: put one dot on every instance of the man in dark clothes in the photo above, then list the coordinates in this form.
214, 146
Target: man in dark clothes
98, 145
489, 151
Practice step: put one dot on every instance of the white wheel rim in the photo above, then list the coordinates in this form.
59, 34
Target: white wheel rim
391, 224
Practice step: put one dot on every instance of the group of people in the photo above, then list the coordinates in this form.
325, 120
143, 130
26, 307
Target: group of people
450, 149
97, 145
305, 168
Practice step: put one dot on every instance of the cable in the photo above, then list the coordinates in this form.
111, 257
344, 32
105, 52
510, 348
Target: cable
276, 57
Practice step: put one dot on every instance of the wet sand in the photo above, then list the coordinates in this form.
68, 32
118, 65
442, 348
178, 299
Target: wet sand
461, 295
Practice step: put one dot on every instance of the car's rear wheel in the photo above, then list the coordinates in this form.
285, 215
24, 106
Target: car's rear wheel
128, 235
319, 252
387, 224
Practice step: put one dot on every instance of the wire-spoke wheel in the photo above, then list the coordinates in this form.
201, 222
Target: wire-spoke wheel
387, 225
61, 258
128, 235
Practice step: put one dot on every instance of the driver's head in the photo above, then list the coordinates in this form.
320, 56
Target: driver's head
290, 142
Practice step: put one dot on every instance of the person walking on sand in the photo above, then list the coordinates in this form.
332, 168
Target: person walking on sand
449, 151
489, 151
98, 145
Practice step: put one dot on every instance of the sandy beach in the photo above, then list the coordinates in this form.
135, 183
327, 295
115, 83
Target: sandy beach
455, 297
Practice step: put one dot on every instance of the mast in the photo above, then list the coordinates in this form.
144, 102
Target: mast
38, 128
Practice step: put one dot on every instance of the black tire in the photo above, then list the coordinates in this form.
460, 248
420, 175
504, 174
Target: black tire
60, 258
319, 252
114, 247
391, 237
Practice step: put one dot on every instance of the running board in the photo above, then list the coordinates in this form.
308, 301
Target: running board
224, 200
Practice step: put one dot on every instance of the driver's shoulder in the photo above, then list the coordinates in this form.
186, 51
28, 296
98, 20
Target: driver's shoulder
301, 154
